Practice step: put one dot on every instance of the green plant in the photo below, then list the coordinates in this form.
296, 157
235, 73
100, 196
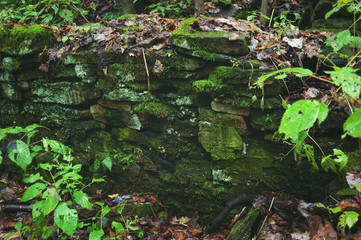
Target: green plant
169, 8
53, 180
106, 159
44, 11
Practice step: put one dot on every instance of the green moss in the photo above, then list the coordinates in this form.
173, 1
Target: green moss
206, 55
23, 40
160, 110
217, 42
143, 86
207, 85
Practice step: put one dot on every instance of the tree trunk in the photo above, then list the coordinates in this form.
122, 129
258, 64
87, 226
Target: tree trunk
125, 7
198, 7
265, 8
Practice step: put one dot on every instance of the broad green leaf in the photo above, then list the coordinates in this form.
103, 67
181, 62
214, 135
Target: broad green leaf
21, 155
96, 234
107, 163
338, 158
299, 72
118, 227
339, 40
13, 130
82, 199
352, 126
2, 136
341, 159
18, 226
37, 148
346, 192
105, 210
56, 146
1, 158
66, 219
335, 210
348, 80
320, 205
46, 166
33, 191
33, 178
351, 218
50, 202
37, 208
358, 187
32, 127
301, 116
333, 10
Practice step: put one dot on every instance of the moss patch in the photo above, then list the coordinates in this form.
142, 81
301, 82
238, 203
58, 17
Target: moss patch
22, 40
160, 110
217, 42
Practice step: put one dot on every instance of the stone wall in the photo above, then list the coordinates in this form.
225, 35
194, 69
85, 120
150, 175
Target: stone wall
197, 140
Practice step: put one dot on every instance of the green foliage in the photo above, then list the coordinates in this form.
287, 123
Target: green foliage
352, 126
299, 72
348, 80
342, 39
336, 161
349, 219
301, 116
169, 8
107, 159
48, 12
53, 180
65, 218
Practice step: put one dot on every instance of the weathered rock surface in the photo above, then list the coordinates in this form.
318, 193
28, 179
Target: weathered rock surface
195, 138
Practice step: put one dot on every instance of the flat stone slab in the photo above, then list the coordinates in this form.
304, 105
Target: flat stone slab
213, 42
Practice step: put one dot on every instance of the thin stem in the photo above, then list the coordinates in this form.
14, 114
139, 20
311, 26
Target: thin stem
316, 144
146, 69
351, 60
270, 21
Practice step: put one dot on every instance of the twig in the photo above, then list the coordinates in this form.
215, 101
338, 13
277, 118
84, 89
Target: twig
79, 12
265, 219
146, 69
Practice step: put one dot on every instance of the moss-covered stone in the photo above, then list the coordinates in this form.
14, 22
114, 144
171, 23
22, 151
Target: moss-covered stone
242, 229
250, 102
208, 85
221, 142
65, 93
8, 107
126, 94
6, 76
223, 119
156, 109
115, 117
81, 57
22, 40
234, 75
127, 72
266, 120
333, 23
217, 42
53, 113
12, 92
